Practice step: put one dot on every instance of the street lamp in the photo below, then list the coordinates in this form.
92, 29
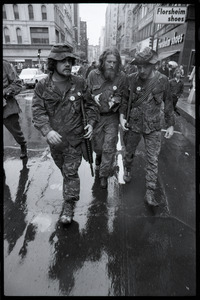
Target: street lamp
39, 51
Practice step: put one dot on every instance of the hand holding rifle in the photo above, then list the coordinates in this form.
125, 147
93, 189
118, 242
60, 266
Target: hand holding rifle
88, 129
123, 123
88, 135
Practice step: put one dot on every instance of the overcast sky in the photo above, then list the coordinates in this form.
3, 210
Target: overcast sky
94, 15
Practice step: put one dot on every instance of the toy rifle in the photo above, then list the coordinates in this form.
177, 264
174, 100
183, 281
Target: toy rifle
87, 141
129, 107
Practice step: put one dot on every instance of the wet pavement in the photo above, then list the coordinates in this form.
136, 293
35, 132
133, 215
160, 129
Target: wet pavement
116, 245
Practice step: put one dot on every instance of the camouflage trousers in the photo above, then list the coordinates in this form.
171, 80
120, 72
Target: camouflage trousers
152, 143
68, 160
105, 139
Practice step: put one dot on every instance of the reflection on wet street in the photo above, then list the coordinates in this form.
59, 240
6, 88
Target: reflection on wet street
116, 245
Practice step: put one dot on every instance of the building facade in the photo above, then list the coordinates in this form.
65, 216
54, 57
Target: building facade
83, 41
136, 28
93, 53
29, 31
111, 25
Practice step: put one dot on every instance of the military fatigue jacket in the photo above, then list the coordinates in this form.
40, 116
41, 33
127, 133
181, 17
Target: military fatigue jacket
147, 116
54, 110
11, 87
112, 91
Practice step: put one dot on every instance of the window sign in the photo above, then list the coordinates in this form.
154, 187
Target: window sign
174, 40
170, 15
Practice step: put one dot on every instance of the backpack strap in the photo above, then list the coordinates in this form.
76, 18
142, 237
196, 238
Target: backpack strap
149, 87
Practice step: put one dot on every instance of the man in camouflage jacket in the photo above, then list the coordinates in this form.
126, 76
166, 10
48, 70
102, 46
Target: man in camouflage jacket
148, 89
107, 85
56, 109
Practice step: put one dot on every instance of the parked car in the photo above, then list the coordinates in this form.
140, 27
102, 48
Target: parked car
75, 70
31, 76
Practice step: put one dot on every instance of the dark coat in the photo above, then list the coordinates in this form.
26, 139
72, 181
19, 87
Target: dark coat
11, 87
176, 87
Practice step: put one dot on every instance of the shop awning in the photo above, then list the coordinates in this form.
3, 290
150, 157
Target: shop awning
167, 54
19, 60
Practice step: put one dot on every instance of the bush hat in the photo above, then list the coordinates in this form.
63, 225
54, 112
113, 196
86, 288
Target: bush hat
145, 56
61, 51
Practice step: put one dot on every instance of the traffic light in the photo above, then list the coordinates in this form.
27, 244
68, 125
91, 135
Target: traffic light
39, 51
151, 42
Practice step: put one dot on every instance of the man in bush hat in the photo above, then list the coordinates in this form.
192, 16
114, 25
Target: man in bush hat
56, 109
148, 88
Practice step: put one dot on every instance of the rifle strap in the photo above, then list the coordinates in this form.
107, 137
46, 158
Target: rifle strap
149, 87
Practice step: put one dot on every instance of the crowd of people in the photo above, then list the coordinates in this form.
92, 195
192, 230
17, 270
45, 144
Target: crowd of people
111, 96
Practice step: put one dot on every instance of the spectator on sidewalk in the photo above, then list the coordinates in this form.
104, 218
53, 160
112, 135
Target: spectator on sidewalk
92, 67
83, 69
182, 71
164, 69
176, 87
12, 86
191, 97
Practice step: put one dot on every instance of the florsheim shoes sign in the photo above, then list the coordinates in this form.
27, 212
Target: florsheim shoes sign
170, 15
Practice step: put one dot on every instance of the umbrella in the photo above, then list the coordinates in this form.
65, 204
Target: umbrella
173, 64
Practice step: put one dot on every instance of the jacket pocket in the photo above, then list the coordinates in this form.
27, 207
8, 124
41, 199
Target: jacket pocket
75, 101
155, 123
158, 98
96, 87
50, 107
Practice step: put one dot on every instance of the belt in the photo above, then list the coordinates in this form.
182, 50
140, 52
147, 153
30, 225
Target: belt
107, 113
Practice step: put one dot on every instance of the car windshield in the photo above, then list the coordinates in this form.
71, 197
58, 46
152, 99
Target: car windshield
28, 71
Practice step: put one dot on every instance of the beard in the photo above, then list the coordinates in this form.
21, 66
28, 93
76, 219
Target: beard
109, 74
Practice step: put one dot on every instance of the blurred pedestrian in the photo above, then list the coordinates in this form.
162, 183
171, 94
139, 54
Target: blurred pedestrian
90, 68
83, 69
148, 88
107, 84
176, 87
182, 71
164, 69
56, 108
192, 90
12, 86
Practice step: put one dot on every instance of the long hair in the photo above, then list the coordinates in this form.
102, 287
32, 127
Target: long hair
103, 56
51, 64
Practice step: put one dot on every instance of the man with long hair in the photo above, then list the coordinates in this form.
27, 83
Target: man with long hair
56, 108
107, 85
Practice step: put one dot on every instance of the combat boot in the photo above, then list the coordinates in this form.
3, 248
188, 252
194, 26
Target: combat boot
103, 182
127, 175
23, 151
68, 212
150, 198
